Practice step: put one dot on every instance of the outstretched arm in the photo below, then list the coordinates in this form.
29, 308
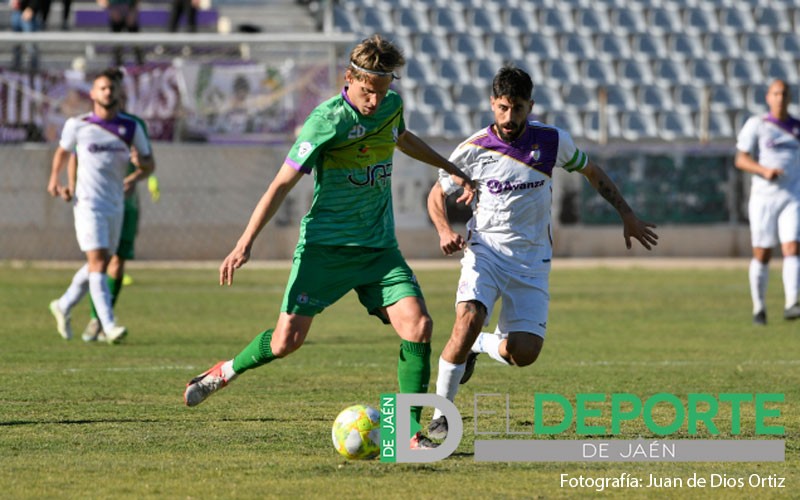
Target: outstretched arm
270, 201
449, 240
418, 149
632, 226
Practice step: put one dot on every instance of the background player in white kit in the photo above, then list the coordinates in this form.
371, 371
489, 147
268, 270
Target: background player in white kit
102, 141
768, 146
508, 247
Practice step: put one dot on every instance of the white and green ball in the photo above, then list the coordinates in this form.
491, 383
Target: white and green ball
356, 432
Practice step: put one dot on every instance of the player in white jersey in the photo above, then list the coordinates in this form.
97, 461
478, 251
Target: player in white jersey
768, 146
102, 141
508, 246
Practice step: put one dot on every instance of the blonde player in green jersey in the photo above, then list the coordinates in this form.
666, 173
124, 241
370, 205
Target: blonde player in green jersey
347, 239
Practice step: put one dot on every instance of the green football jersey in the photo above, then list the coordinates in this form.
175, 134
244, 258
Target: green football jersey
351, 157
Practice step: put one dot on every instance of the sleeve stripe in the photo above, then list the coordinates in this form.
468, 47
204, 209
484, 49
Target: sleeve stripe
577, 162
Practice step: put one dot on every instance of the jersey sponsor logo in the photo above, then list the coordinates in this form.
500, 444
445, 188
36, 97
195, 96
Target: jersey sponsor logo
356, 132
111, 147
304, 148
497, 187
373, 174
488, 160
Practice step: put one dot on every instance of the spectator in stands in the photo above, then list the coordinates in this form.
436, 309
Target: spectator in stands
508, 247
768, 146
123, 15
44, 13
24, 19
180, 7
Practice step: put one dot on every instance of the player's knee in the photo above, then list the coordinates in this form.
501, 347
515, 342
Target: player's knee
423, 329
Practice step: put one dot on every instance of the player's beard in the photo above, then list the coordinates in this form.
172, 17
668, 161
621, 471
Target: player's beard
515, 129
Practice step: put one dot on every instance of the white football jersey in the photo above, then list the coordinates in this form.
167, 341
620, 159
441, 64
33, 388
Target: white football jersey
774, 144
103, 148
511, 218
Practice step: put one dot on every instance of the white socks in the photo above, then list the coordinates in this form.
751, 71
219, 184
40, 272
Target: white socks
77, 289
447, 381
101, 296
791, 272
759, 276
489, 343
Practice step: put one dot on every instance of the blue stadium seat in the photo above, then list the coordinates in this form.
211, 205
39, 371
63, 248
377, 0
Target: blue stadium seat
433, 99
470, 96
431, 45
544, 46
669, 72
579, 97
725, 98
421, 123
504, 47
620, 98
687, 98
377, 20
546, 99
453, 71
720, 126
648, 46
565, 120
673, 125
447, 20
483, 70
612, 47
418, 71
597, 72
591, 21
788, 44
561, 71
344, 21
481, 119
592, 126
773, 19
757, 45
755, 98
685, 46
699, 20
410, 21
575, 47
633, 72
482, 22
720, 46
734, 20
743, 71
636, 126
627, 21
661, 20
553, 21
705, 72
653, 98
467, 45
456, 125
780, 68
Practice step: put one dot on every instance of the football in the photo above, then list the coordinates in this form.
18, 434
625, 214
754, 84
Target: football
356, 432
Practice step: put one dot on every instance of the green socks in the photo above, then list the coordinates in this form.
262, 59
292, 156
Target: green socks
115, 286
414, 373
257, 353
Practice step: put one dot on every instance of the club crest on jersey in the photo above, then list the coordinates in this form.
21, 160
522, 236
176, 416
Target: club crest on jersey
302, 298
304, 148
535, 153
122, 130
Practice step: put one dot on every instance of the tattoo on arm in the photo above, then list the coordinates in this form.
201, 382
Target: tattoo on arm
608, 191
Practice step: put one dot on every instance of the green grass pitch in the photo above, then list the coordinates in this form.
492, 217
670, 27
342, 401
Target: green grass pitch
97, 421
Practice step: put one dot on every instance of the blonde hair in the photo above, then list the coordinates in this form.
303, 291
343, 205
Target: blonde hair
375, 55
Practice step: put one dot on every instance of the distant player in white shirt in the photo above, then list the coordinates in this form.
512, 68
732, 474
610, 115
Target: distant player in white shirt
768, 146
102, 141
508, 246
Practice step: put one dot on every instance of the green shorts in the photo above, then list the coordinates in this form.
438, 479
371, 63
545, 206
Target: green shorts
130, 226
321, 275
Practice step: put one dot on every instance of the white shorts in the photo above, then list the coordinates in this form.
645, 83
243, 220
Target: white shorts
773, 220
96, 230
525, 298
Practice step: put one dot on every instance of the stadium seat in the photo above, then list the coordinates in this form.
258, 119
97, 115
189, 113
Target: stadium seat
788, 44
481, 22
433, 99
561, 71
481, 119
546, 99
734, 20
597, 72
684, 46
579, 97
720, 47
432, 46
565, 120
719, 126
344, 21
636, 126
627, 21
661, 20
653, 98
504, 47
575, 47
483, 70
620, 98
453, 71
633, 72
772, 19
612, 47
591, 21
780, 68
554, 21
516, 21
648, 46
545, 46
755, 98
410, 21
447, 20
699, 20
471, 97
668, 72
420, 123
725, 98
456, 125
705, 72
687, 98
467, 45
673, 125
757, 45
592, 126
743, 71
376, 20
418, 71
